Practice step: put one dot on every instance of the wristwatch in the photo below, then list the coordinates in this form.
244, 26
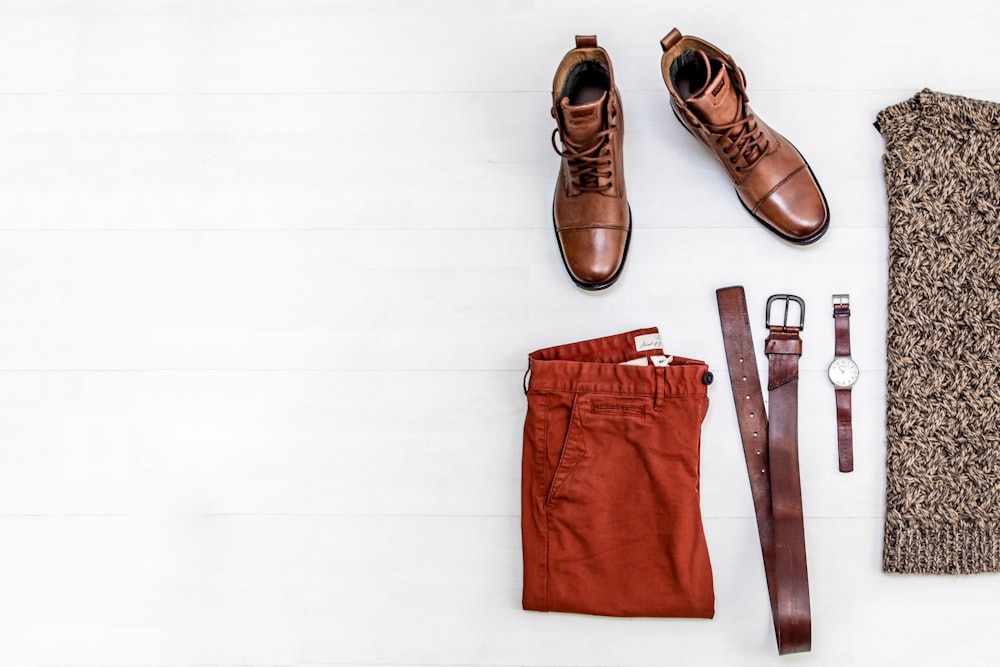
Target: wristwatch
843, 374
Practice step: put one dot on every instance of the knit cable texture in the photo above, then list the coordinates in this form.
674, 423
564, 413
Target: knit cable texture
942, 174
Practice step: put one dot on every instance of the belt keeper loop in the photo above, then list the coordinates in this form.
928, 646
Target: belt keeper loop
658, 392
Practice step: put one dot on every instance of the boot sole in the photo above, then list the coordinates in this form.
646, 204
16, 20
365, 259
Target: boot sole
784, 237
595, 287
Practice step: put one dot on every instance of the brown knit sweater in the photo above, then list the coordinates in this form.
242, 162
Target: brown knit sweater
942, 174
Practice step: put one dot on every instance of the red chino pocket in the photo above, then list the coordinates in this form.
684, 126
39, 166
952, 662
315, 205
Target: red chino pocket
573, 449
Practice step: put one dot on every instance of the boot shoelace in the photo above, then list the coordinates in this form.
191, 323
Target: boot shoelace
747, 139
587, 165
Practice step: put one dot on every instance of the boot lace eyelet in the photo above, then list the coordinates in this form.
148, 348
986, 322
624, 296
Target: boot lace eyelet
587, 165
742, 140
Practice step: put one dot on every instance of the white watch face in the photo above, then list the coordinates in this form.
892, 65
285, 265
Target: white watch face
843, 372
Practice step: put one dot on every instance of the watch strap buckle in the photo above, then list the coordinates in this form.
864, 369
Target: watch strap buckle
841, 305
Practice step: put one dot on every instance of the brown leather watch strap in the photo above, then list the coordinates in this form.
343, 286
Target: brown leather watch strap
771, 450
841, 328
842, 348
845, 432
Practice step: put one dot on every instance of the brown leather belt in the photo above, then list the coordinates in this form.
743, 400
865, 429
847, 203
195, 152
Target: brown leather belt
771, 448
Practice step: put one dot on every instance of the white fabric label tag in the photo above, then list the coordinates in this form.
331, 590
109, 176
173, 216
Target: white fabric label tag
659, 360
648, 342
641, 361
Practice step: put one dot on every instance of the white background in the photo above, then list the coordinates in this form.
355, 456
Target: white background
269, 273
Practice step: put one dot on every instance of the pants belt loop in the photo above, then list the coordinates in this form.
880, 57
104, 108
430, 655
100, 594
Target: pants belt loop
658, 395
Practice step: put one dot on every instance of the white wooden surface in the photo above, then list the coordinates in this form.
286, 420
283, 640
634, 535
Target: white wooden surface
269, 271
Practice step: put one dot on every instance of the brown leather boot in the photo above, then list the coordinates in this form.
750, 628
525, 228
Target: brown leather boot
708, 96
590, 211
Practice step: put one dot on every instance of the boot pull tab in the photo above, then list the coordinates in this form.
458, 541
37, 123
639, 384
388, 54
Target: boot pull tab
586, 41
672, 38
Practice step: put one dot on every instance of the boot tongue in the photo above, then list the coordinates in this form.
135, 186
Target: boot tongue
716, 103
583, 121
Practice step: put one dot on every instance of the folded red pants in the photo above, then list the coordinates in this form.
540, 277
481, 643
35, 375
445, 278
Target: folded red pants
610, 505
